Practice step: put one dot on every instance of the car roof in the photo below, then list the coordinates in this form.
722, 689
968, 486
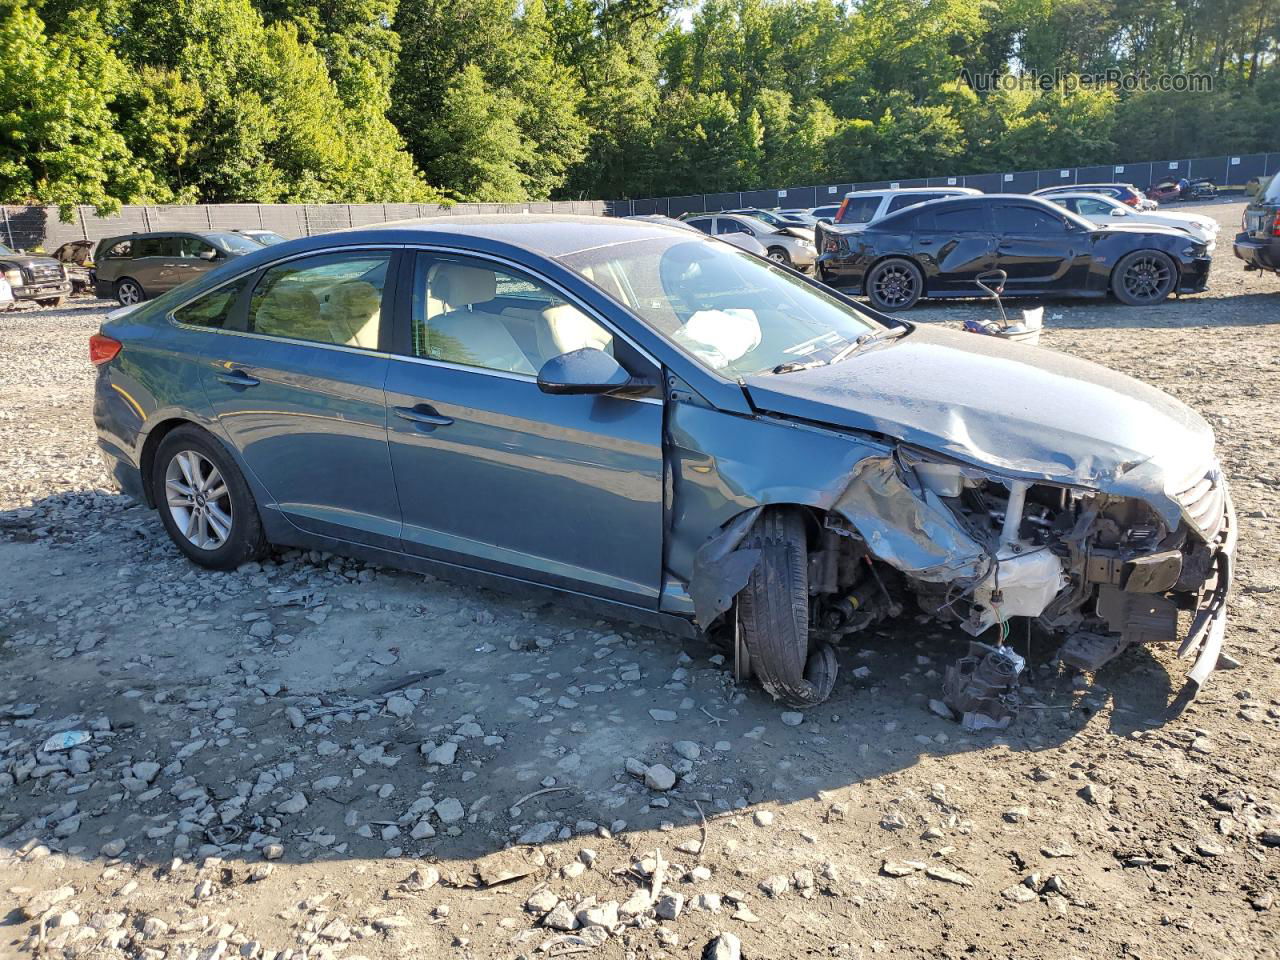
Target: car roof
959, 191
550, 235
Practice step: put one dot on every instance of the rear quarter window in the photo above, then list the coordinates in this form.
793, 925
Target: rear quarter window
213, 309
121, 250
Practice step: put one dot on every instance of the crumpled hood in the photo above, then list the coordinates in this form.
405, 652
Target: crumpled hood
1014, 408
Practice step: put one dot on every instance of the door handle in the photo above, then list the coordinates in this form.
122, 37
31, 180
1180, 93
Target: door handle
423, 413
238, 378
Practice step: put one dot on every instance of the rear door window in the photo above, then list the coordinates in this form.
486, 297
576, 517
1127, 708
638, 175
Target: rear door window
725, 225
333, 298
701, 223
155, 247
954, 221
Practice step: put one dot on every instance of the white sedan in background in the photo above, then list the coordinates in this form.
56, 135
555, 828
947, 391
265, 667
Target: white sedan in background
1104, 210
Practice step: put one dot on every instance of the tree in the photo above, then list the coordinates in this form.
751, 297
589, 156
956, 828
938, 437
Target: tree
58, 142
476, 144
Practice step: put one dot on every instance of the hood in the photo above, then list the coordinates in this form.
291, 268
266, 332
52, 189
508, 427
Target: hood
29, 260
800, 233
1100, 231
1011, 407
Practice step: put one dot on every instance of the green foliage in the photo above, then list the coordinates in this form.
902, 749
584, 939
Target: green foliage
110, 101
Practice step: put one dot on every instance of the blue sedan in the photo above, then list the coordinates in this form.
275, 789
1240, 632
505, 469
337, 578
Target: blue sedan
668, 430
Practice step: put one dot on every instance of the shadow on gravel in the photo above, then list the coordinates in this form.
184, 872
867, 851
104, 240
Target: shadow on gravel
384, 714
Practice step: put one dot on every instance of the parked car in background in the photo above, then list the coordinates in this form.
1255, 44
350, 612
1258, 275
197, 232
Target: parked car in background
141, 265
939, 249
787, 245
826, 213
1126, 193
735, 238
6, 294
77, 257
32, 277
1258, 243
629, 416
861, 207
265, 237
801, 218
1101, 209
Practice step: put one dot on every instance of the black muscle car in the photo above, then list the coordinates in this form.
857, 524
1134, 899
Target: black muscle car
938, 249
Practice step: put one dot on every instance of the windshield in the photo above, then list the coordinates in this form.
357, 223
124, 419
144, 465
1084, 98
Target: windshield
232, 242
733, 312
266, 237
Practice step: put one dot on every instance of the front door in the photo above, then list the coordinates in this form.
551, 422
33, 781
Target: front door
493, 473
300, 393
1037, 249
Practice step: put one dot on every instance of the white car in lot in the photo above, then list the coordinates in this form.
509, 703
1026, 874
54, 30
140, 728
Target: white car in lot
792, 246
862, 207
1108, 211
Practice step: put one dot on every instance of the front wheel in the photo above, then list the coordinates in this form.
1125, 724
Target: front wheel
1143, 278
51, 302
205, 504
894, 284
780, 255
773, 614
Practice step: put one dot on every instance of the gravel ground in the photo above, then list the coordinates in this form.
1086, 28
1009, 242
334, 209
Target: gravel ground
316, 758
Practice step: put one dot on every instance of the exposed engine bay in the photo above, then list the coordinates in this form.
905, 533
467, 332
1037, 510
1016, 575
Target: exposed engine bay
1100, 572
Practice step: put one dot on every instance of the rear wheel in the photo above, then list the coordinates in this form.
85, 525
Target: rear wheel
129, 291
780, 255
1143, 278
894, 284
51, 302
205, 504
773, 614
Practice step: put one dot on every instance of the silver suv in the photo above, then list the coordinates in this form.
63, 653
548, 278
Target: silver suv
867, 206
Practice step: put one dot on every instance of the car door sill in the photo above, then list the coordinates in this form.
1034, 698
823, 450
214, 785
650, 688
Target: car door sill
516, 586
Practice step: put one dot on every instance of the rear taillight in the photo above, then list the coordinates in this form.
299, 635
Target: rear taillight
102, 348
831, 246
844, 205
1131, 200
1275, 225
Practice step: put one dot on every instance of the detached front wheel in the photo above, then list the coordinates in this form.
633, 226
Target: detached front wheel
773, 614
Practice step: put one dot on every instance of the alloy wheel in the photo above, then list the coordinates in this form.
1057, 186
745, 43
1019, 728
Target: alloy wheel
199, 500
129, 293
895, 286
777, 256
1147, 278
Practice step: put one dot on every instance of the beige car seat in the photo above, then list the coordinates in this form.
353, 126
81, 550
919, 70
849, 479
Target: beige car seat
354, 309
459, 329
287, 310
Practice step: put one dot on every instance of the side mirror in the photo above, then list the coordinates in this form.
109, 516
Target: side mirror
1118, 212
589, 371
208, 254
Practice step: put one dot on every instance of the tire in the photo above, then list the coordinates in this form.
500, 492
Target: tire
129, 291
230, 532
773, 614
780, 255
51, 302
894, 284
1144, 278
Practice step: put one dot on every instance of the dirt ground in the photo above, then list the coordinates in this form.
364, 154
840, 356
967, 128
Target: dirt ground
316, 758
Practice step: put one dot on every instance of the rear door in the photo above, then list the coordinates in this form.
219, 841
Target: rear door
297, 386
1037, 249
955, 244
496, 475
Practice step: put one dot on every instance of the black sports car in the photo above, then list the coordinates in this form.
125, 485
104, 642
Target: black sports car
938, 249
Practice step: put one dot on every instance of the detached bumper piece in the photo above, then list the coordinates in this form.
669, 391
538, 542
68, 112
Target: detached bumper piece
1209, 626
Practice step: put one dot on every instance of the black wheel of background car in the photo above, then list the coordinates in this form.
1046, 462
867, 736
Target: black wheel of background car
1143, 278
51, 302
205, 504
773, 614
780, 255
894, 284
129, 291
